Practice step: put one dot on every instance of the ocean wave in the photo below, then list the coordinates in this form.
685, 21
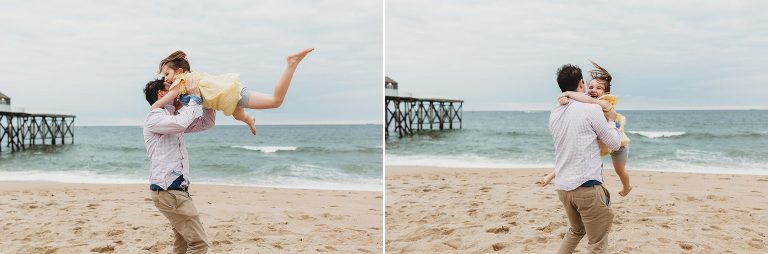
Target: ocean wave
698, 135
658, 134
268, 149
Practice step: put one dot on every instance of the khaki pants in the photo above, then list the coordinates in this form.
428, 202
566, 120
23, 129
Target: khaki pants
588, 213
188, 232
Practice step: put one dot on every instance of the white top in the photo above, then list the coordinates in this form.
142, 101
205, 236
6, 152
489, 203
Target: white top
575, 129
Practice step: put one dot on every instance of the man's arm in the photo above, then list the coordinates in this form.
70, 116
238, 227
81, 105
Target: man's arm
204, 122
160, 122
606, 130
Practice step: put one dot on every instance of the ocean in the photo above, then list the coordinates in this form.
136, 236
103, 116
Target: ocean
702, 141
340, 157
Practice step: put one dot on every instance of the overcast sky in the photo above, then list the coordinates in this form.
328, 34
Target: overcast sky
502, 55
92, 58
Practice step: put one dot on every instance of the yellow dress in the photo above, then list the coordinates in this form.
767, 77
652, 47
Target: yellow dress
219, 92
624, 140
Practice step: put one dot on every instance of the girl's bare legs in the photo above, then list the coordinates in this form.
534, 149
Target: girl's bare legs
240, 115
265, 101
621, 171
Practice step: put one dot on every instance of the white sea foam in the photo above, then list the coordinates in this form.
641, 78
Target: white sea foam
690, 161
658, 134
343, 182
69, 177
465, 161
268, 149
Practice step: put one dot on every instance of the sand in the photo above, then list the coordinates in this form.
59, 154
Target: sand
452, 210
43, 217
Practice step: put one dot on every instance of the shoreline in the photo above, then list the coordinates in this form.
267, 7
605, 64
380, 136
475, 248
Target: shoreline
641, 170
478, 210
47, 217
196, 184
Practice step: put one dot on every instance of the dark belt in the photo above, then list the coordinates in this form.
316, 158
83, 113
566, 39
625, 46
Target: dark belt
591, 183
154, 187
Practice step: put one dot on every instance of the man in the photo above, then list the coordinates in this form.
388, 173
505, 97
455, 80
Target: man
164, 130
575, 128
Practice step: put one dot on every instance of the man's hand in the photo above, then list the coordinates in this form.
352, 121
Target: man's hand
191, 85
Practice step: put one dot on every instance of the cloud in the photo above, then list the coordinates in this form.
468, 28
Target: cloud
494, 54
93, 58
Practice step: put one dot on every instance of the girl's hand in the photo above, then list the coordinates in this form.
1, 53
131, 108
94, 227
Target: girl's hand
563, 98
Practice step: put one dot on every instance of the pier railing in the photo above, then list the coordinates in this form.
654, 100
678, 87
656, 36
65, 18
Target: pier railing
21, 130
408, 114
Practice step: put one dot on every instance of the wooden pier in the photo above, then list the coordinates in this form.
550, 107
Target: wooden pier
407, 114
20, 130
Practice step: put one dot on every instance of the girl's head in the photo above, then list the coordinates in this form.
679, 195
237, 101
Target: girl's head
598, 87
601, 81
176, 63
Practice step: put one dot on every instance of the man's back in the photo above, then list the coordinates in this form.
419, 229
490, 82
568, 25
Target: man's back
575, 129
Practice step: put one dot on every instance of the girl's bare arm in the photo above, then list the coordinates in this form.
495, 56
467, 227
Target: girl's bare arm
586, 99
167, 98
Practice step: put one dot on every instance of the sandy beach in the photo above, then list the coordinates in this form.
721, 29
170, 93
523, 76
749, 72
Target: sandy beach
44, 217
461, 210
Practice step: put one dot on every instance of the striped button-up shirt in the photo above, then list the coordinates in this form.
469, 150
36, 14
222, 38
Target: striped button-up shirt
575, 129
164, 131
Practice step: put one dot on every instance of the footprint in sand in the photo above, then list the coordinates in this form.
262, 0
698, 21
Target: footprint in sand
105, 249
756, 243
115, 232
552, 226
508, 214
686, 245
498, 246
499, 230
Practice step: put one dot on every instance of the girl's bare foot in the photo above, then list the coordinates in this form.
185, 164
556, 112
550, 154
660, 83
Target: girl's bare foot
294, 59
251, 124
625, 191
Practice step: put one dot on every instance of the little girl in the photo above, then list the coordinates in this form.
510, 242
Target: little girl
599, 93
224, 92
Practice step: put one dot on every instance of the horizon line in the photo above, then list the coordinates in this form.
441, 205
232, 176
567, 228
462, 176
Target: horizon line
641, 109
236, 124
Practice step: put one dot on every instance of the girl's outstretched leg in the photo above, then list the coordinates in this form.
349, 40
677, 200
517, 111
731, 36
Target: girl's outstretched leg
240, 115
265, 101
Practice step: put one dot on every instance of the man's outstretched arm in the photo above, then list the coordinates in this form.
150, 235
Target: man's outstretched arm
204, 122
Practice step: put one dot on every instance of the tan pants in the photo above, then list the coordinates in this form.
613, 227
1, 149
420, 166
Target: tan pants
588, 213
188, 232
